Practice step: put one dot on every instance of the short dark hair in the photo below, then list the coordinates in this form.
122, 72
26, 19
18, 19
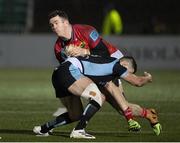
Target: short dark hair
132, 60
59, 13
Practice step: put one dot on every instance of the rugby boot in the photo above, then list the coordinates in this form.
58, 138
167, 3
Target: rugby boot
153, 118
134, 125
81, 134
37, 131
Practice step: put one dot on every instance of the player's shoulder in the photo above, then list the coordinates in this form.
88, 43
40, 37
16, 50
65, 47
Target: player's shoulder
83, 27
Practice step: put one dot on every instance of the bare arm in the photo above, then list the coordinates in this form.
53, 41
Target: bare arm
138, 80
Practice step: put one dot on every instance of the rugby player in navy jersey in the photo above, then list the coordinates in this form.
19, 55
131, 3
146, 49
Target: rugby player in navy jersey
69, 77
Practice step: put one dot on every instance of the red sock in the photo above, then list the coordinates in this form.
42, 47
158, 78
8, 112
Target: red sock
128, 113
144, 113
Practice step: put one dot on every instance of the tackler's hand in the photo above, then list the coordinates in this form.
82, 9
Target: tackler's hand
148, 76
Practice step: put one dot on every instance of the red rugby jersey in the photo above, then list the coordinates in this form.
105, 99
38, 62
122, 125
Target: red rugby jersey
82, 35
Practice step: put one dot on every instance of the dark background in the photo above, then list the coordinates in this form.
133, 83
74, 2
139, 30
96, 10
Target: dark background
139, 16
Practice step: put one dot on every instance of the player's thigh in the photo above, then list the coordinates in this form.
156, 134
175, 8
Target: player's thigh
74, 106
79, 86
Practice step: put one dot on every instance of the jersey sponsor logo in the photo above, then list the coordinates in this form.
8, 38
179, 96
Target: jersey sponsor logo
94, 35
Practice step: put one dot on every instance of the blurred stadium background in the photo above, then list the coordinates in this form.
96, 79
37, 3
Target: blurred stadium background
151, 33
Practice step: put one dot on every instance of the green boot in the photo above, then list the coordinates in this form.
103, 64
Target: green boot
157, 128
134, 125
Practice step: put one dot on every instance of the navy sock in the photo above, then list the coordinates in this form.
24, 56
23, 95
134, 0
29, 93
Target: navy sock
89, 111
62, 119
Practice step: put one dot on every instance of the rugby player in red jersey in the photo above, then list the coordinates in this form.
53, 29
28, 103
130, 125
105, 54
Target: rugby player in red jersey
86, 40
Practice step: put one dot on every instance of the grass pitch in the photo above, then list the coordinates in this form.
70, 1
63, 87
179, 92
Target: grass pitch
27, 99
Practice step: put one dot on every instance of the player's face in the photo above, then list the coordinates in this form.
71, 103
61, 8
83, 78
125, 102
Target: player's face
58, 25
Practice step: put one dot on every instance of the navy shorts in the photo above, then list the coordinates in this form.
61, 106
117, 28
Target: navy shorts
63, 77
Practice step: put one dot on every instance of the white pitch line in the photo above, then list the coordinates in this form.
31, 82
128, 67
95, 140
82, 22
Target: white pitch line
126, 132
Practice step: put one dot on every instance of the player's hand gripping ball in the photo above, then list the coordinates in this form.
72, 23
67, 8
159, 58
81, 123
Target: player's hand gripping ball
69, 49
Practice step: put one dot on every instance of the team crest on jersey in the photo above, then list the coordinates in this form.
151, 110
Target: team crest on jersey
82, 44
94, 35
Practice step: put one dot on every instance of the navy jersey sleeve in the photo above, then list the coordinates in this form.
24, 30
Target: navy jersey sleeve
119, 70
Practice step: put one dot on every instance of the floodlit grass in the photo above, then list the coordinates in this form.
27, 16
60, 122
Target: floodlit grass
27, 99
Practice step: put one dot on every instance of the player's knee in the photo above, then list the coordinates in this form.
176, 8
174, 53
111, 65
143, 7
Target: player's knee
108, 85
93, 93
